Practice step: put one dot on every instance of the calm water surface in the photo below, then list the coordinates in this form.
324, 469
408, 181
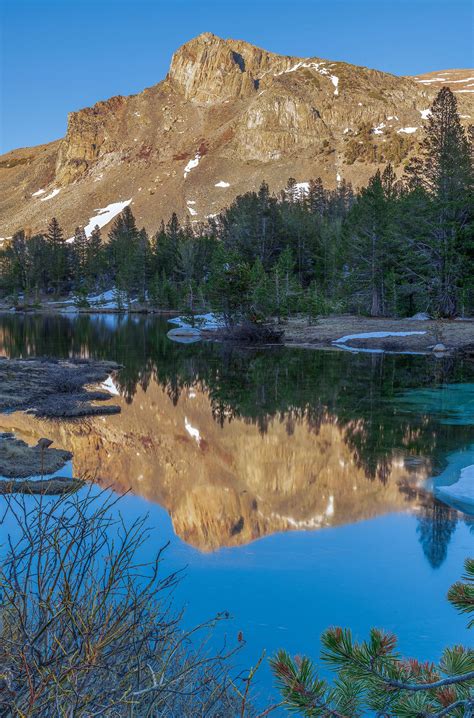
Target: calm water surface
295, 485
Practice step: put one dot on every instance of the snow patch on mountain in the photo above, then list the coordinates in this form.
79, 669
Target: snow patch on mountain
51, 195
192, 431
192, 164
319, 67
104, 216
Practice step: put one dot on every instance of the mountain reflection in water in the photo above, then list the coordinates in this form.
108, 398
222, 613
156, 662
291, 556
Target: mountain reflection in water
237, 444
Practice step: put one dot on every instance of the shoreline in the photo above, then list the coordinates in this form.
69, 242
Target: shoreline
403, 335
419, 336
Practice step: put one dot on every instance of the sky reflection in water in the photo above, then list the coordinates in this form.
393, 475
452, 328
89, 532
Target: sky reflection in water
278, 430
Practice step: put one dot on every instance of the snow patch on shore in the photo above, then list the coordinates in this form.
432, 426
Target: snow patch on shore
221, 183
207, 321
373, 335
463, 488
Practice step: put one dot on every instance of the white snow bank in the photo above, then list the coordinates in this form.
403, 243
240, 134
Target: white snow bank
319, 67
51, 195
373, 335
302, 187
407, 130
420, 317
104, 216
451, 82
107, 299
378, 129
190, 201
192, 431
425, 113
192, 211
110, 386
221, 183
106, 296
201, 321
38, 192
462, 491
192, 164
299, 190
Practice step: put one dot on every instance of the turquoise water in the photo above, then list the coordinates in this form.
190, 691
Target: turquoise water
306, 498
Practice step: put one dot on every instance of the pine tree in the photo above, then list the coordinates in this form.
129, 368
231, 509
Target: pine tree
123, 252
316, 197
291, 191
80, 252
369, 227
95, 259
444, 172
165, 247
57, 254
373, 679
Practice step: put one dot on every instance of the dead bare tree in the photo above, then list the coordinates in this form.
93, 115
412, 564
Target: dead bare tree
88, 629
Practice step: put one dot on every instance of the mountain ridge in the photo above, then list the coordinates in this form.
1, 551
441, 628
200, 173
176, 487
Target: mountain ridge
227, 116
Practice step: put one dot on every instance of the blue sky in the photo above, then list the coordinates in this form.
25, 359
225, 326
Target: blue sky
61, 55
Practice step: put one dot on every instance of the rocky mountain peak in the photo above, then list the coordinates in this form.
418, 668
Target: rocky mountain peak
208, 69
228, 116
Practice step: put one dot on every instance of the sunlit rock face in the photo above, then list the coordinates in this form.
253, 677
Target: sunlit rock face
241, 115
228, 486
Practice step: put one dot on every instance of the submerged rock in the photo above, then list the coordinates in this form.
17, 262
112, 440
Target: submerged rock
185, 335
55, 389
18, 459
45, 487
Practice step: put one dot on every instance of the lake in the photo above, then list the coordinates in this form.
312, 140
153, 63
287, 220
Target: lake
295, 486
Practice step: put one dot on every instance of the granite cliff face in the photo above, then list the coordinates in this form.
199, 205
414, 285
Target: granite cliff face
227, 116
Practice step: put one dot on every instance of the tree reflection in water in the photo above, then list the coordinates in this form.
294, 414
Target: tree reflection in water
258, 386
